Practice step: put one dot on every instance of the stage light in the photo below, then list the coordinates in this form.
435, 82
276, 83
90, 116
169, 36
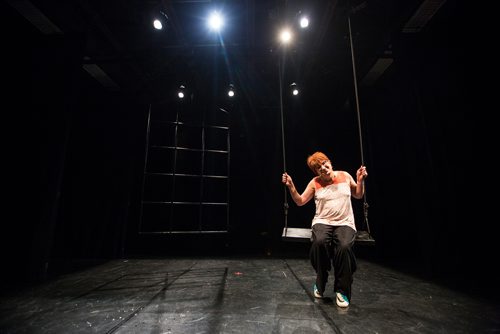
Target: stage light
157, 24
231, 91
181, 93
286, 36
294, 89
304, 22
215, 21
160, 20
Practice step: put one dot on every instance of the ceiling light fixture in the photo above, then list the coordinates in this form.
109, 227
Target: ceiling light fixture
231, 91
286, 36
215, 21
304, 22
158, 22
181, 93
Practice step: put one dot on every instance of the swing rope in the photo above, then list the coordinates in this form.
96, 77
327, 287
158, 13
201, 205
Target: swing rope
285, 204
365, 203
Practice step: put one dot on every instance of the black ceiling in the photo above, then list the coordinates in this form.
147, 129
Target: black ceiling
117, 36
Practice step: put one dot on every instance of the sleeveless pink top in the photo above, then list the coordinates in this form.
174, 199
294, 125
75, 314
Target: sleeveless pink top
333, 202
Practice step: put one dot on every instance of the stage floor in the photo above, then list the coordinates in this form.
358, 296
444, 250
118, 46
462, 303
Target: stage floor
238, 295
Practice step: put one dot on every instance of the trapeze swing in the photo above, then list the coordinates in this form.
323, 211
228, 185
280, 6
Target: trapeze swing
363, 237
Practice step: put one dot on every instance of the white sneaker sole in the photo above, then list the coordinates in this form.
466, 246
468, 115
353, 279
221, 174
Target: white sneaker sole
316, 293
341, 302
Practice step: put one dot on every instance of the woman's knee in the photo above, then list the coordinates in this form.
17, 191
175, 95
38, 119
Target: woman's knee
319, 240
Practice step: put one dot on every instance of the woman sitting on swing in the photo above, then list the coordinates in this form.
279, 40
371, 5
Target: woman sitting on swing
333, 227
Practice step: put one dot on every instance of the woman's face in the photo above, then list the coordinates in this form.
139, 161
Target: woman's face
324, 168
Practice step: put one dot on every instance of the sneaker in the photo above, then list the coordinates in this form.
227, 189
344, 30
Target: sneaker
342, 300
317, 294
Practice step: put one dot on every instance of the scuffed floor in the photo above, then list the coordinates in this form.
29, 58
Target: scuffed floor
242, 295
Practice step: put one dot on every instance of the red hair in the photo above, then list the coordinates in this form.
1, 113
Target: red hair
315, 160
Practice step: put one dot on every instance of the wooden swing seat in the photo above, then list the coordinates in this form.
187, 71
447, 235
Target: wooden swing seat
296, 234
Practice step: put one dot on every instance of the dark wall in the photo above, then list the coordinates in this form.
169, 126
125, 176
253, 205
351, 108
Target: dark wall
72, 156
40, 96
414, 122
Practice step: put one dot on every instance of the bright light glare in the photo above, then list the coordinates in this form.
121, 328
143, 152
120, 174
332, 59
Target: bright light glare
157, 24
295, 91
215, 21
180, 92
286, 36
230, 91
304, 22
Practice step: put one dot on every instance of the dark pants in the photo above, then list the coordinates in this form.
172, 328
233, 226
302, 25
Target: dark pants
333, 245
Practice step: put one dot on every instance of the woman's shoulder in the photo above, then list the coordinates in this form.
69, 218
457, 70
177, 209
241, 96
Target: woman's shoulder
316, 182
342, 175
